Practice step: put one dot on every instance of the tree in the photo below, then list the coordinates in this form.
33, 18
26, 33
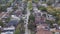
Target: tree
30, 5
32, 18
15, 7
36, 1
2, 8
31, 24
42, 8
21, 21
49, 2
8, 4
50, 23
59, 22
17, 31
20, 26
8, 19
1, 23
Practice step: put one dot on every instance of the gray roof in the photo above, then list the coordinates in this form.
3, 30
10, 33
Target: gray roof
13, 22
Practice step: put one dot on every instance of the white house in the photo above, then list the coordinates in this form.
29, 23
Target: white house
9, 9
8, 30
50, 17
35, 9
45, 5
13, 17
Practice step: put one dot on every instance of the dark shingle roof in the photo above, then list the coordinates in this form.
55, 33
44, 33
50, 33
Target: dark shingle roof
13, 22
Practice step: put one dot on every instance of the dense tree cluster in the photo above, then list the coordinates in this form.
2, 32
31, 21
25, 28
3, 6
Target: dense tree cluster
1, 23
20, 27
42, 8
55, 13
31, 24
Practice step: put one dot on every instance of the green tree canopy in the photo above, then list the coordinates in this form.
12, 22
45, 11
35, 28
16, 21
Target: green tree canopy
31, 24
17, 31
42, 8
1, 23
32, 18
30, 5
50, 23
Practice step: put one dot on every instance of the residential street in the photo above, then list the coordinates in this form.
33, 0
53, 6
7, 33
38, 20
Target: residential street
26, 21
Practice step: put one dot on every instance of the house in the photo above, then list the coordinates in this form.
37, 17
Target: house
34, 5
35, 9
56, 5
43, 13
6, 16
45, 5
8, 30
2, 13
43, 29
39, 12
50, 17
9, 9
40, 20
55, 31
17, 13
14, 17
44, 32
40, 16
13, 22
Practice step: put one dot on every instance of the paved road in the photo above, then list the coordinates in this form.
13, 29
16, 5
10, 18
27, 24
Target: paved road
26, 22
26, 18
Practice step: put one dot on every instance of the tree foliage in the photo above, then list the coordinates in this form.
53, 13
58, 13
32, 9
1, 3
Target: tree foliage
30, 5
50, 23
31, 24
42, 8
55, 13
17, 31
2, 8
15, 7
32, 18
36, 1
1, 23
